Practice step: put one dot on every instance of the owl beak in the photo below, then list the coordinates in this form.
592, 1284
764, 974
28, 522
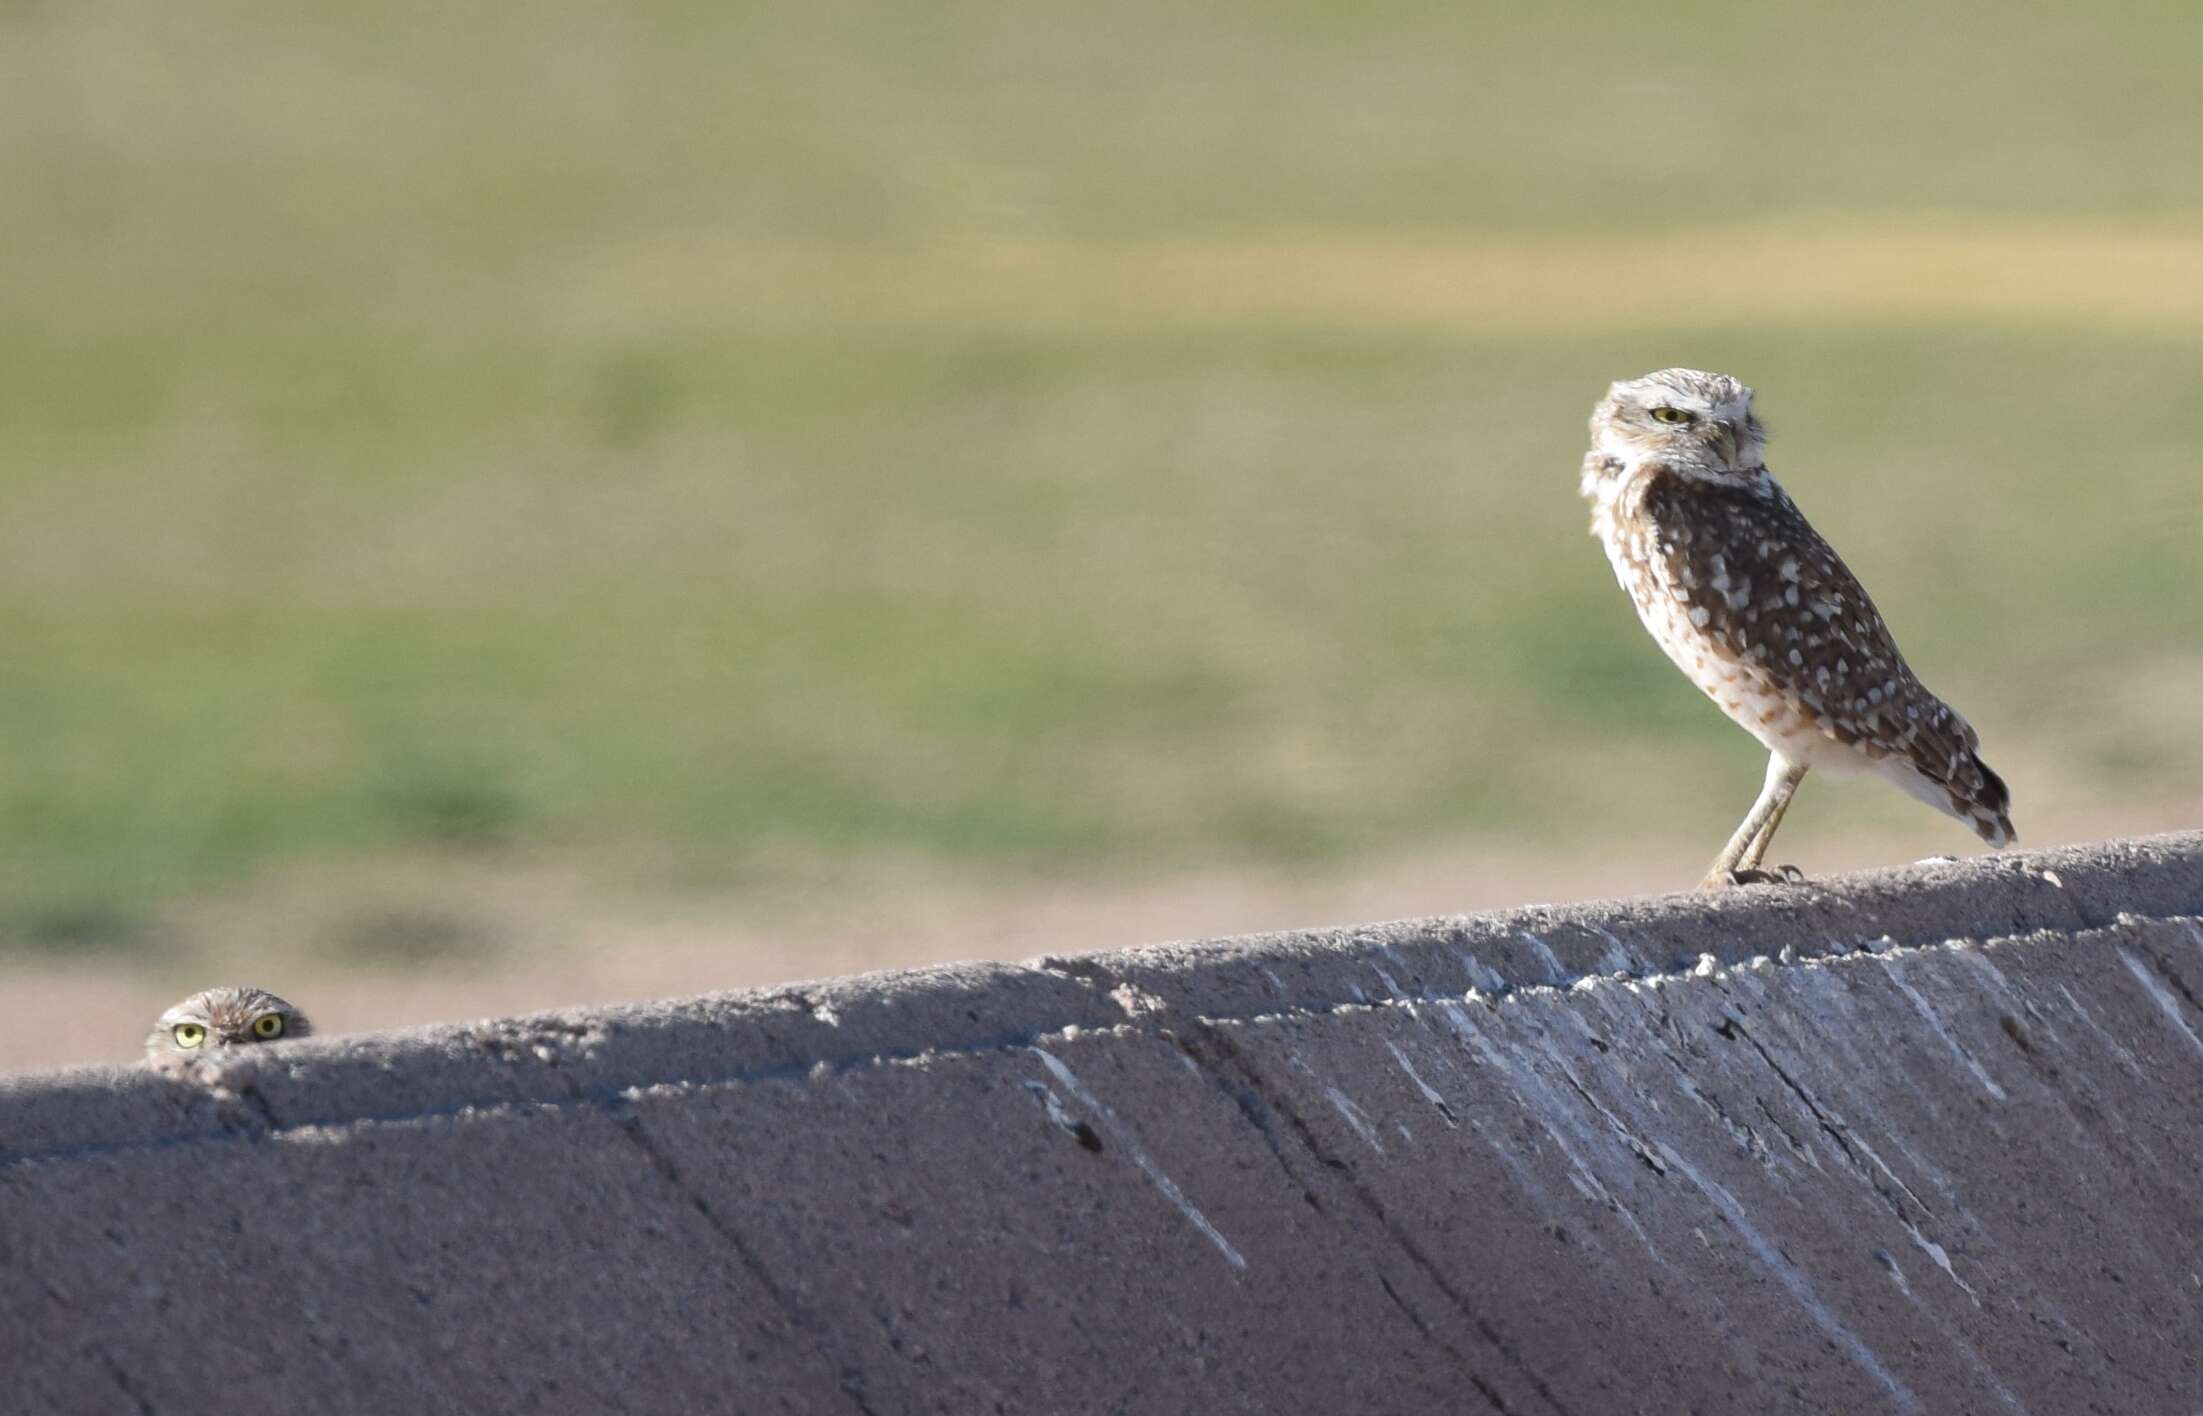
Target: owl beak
1728, 437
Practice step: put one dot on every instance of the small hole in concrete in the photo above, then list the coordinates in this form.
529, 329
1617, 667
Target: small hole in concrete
1087, 1136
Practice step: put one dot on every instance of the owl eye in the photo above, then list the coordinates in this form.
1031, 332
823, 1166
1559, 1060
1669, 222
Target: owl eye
188, 1034
1671, 415
267, 1025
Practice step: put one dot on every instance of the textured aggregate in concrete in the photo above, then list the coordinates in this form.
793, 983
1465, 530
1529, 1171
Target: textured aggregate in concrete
1926, 1140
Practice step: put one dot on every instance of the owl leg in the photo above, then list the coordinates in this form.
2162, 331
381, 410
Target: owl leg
1749, 845
1757, 851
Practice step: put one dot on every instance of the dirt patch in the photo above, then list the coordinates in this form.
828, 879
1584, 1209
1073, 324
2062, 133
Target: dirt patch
2032, 272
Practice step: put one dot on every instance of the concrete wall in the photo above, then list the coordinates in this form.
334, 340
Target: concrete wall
1925, 1140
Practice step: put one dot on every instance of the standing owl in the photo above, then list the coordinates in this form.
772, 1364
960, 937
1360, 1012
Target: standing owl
1760, 612
205, 1023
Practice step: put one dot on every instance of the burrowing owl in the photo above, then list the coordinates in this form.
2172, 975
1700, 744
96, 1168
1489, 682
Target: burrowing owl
220, 1018
1761, 613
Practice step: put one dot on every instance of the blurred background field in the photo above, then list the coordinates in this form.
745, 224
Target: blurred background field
507, 505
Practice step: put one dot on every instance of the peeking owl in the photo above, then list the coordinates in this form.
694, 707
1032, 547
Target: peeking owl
206, 1023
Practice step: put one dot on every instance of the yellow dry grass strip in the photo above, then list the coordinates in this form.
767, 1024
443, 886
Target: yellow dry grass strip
2140, 277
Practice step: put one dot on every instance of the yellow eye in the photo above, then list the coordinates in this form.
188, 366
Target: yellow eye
188, 1034
1670, 415
267, 1025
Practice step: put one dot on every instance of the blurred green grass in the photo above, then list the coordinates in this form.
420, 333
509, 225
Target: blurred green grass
335, 525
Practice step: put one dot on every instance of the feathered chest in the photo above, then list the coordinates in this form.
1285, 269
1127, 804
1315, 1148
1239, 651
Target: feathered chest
1693, 565
1651, 555
1748, 599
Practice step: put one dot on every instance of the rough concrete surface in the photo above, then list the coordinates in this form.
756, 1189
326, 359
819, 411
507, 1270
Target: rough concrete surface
1922, 1140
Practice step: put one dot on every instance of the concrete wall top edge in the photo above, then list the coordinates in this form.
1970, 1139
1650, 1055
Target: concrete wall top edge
601, 1053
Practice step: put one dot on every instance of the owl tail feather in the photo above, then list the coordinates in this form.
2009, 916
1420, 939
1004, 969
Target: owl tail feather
1986, 804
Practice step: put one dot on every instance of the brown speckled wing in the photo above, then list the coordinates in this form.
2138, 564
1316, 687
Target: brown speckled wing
1776, 601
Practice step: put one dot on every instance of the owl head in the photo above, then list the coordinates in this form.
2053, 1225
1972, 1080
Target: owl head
219, 1018
1691, 420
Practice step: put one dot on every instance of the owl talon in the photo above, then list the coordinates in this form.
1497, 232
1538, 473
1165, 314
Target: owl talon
1781, 875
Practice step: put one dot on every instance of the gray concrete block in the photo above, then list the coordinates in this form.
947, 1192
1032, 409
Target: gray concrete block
1920, 1140
999, 1236
515, 1260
